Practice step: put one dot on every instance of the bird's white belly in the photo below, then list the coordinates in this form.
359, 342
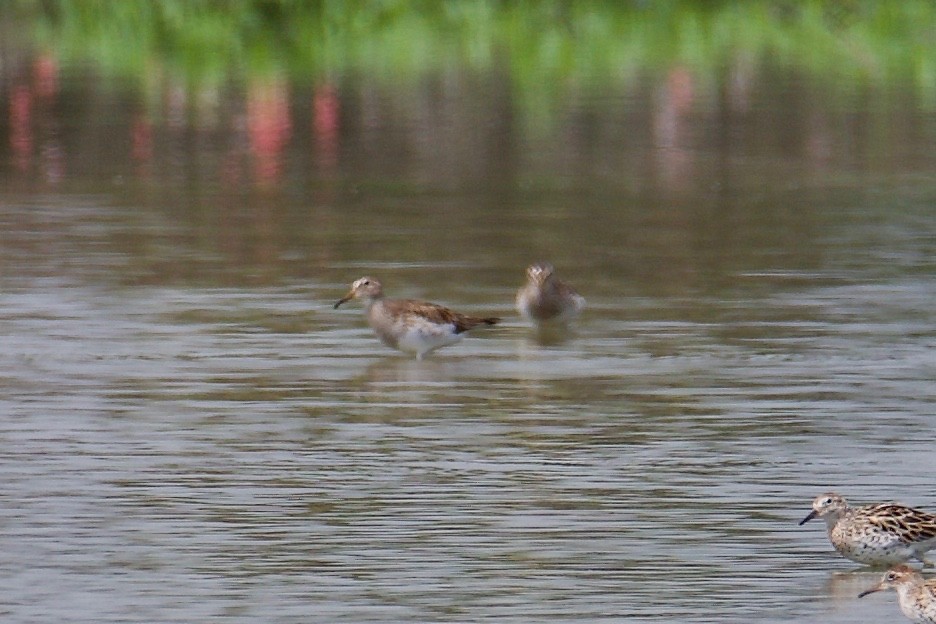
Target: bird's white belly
423, 337
871, 547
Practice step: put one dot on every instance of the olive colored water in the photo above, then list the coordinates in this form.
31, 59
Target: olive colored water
191, 433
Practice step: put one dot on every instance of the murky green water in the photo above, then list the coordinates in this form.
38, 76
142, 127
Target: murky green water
190, 432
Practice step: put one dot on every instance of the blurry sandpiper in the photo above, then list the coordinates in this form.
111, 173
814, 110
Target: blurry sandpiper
411, 326
877, 535
916, 595
545, 298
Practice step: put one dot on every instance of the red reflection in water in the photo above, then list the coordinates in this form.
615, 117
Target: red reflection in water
33, 127
52, 161
670, 125
21, 136
45, 76
45, 80
141, 143
326, 111
269, 127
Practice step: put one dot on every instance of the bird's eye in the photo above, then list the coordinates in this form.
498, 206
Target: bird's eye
891, 576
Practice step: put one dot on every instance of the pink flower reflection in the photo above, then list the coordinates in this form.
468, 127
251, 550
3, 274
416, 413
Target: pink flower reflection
269, 127
326, 110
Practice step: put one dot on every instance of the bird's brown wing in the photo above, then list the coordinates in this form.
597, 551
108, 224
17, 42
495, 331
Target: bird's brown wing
912, 525
436, 313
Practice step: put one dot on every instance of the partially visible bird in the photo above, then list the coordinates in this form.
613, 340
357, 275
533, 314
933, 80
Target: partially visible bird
547, 299
915, 595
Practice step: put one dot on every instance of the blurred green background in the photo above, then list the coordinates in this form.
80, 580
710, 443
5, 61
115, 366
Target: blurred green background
545, 47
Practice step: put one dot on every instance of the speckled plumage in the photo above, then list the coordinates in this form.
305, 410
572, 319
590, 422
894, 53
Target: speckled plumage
411, 326
546, 298
916, 595
878, 535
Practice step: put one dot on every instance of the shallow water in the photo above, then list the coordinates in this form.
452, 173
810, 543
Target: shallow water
192, 432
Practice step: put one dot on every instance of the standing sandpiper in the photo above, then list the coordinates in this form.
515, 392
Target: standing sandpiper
877, 535
916, 596
546, 298
411, 326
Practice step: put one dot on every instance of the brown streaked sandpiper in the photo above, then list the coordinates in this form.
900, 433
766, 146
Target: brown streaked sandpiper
877, 535
546, 298
411, 326
916, 595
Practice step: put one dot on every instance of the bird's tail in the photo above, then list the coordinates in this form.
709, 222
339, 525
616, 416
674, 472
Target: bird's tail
470, 322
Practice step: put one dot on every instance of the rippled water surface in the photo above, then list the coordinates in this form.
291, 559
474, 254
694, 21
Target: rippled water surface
191, 432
